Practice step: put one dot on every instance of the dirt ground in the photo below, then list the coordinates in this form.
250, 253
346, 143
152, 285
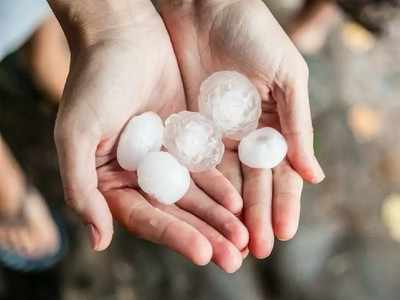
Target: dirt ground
348, 245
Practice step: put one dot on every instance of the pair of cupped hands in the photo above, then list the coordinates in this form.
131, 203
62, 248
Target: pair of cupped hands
129, 57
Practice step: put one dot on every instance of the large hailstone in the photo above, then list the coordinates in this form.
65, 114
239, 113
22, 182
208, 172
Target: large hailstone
194, 140
232, 102
161, 176
142, 134
264, 148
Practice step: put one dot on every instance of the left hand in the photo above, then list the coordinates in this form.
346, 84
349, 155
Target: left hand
123, 66
215, 35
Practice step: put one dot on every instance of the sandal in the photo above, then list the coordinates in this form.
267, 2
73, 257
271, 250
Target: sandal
13, 260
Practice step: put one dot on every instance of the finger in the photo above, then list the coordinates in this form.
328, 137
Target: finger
143, 220
76, 152
295, 118
288, 186
199, 204
219, 188
231, 169
257, 194
225, 254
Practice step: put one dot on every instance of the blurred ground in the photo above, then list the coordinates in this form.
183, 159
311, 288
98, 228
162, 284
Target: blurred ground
348, 243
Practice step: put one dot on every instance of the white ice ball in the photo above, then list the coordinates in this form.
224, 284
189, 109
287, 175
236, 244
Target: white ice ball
263, 148
194, 140
161, 176
232, 101
142, 134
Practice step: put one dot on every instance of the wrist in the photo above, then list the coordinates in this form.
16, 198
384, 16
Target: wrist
88, 22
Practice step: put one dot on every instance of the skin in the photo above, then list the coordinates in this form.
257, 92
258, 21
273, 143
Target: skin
119, 70
215, 35
122, 64
45, 52
28, 237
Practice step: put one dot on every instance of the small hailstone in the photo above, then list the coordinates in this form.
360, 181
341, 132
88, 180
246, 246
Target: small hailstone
142, 134
232, 102
263, 148
161, 176
194, 140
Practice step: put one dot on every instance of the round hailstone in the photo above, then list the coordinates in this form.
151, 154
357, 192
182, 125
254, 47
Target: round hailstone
264, 148
194, 140
161, 176
232, 102
142, 134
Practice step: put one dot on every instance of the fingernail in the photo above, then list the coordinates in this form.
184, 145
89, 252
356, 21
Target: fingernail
320, 175
94, 236
234, 265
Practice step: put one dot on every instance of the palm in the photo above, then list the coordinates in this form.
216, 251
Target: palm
117, 81
215, 35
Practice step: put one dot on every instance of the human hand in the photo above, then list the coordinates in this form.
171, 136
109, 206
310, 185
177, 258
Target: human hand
125, 67
242, 35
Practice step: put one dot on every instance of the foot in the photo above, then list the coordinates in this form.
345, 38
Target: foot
32, 232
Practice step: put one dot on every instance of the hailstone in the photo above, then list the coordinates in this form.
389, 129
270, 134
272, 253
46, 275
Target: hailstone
232, 102
142, 134
161, 176
194, 140
263, 148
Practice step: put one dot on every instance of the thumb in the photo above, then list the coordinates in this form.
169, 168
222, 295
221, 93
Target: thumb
296, 123
76, 152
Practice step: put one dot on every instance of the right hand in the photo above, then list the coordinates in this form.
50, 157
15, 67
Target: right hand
215, 35
129, 67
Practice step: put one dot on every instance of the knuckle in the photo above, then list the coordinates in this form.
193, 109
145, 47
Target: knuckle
286, 173
195, 240
289, 195
73, 201
212, 211
76, 195
163, 234
232, 202
133, 221
231, 227
215, 237
254, 205
283, 168
237, 233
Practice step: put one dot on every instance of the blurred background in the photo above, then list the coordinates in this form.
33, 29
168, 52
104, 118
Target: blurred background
348, 244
